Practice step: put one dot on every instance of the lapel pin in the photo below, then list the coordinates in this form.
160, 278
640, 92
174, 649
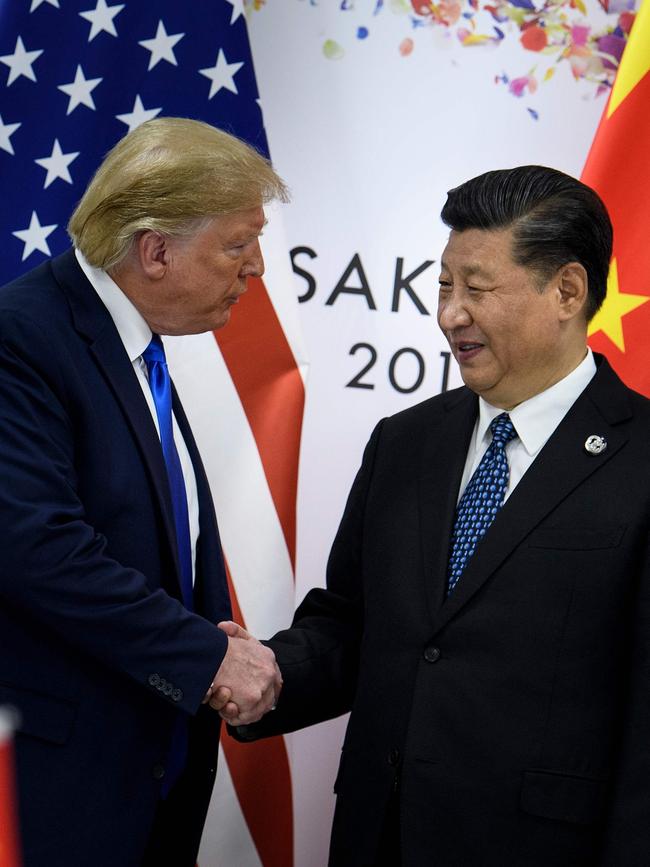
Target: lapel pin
595, 445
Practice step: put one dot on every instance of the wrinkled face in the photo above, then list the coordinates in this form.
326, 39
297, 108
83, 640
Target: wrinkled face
504, 329
204, 275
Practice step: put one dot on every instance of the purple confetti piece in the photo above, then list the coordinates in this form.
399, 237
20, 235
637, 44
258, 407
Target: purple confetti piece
533, 113
612, 45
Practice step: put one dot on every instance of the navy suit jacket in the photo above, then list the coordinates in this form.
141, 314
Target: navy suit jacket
514, 715
98, 653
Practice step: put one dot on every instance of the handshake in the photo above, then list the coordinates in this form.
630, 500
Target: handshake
248, 681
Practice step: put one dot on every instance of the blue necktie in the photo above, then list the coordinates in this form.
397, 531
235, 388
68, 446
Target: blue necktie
161, 389
482, 499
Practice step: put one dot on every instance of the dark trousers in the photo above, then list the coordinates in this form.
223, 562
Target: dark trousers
389, 854
178, 822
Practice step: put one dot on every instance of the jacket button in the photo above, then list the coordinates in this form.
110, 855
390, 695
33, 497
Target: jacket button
158, 772
393, 757
167, 689
154, 680
431, 654
177, 694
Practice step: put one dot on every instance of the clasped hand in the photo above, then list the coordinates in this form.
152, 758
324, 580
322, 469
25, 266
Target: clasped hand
248, 682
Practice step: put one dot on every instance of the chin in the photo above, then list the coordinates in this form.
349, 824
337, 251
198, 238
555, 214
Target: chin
219, 321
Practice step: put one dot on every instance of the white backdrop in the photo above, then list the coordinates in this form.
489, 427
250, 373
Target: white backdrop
369, 141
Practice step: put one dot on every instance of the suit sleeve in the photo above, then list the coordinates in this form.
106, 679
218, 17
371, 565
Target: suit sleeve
627, 833
319, 654
55, 573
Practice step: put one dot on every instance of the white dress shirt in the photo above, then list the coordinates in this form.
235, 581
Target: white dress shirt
535, 420
136, 335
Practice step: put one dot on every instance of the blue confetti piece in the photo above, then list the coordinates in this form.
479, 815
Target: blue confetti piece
500, 34
362, 33
468, 14
378, 7
533, 113
523, 4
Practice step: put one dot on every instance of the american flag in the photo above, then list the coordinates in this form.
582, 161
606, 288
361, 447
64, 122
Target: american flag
75, 76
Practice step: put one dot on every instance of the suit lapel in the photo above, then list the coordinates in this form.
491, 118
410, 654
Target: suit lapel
562, 465
93, 321
211, 597
443, 461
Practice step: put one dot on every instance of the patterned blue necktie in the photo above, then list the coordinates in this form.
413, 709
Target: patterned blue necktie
482, 499
161, 389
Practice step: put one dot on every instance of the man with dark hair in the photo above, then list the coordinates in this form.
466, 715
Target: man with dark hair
487, 611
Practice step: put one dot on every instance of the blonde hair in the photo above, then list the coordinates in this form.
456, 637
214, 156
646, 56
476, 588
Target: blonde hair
168, 175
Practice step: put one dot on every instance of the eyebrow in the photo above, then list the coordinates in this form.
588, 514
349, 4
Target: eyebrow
470, 270
240, 239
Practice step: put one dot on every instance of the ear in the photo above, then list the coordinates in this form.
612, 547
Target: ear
573, 288
153, 252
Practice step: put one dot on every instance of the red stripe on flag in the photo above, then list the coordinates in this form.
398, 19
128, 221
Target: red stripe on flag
262, 779
617, 168
265, 374
9, 851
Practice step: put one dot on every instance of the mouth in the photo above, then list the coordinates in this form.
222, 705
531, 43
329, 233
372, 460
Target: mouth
234, 298
466, 350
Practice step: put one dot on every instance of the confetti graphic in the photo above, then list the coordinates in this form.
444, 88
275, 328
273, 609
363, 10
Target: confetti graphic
559, 33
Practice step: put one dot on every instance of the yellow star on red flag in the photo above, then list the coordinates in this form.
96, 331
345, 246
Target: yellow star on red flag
619, 170
609, 318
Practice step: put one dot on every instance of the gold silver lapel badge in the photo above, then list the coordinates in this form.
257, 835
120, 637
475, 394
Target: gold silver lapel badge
595, 444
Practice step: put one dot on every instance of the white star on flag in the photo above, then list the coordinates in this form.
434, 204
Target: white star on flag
57, 164
221, 74
20, 62
34, 238
37, 3
139, 114
101, 18
161, 46
6, 131
237, 9
80, 91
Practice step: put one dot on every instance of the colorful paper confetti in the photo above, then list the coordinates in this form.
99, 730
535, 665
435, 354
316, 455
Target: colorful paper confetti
556, 31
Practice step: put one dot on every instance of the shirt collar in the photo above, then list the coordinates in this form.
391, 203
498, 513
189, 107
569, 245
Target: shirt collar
134, 332
536, 418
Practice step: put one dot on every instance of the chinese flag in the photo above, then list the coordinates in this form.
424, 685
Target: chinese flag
618, 167
9, 856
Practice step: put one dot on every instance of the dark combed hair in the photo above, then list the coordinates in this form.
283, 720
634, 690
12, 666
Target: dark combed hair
555, 219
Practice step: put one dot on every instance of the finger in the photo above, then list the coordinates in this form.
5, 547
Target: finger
229, 711
232, 629
220, 697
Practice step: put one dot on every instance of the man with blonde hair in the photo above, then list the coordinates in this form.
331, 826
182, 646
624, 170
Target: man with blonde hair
112, 579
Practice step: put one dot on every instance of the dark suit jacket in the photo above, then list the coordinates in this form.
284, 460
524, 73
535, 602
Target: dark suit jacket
98, 653
514, 716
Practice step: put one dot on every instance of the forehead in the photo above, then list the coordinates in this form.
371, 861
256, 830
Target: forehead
238, 227
247, 222
478, 251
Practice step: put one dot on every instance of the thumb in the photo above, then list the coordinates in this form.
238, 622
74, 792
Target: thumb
233, 630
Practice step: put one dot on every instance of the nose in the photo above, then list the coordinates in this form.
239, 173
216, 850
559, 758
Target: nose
452, 312
254, 264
